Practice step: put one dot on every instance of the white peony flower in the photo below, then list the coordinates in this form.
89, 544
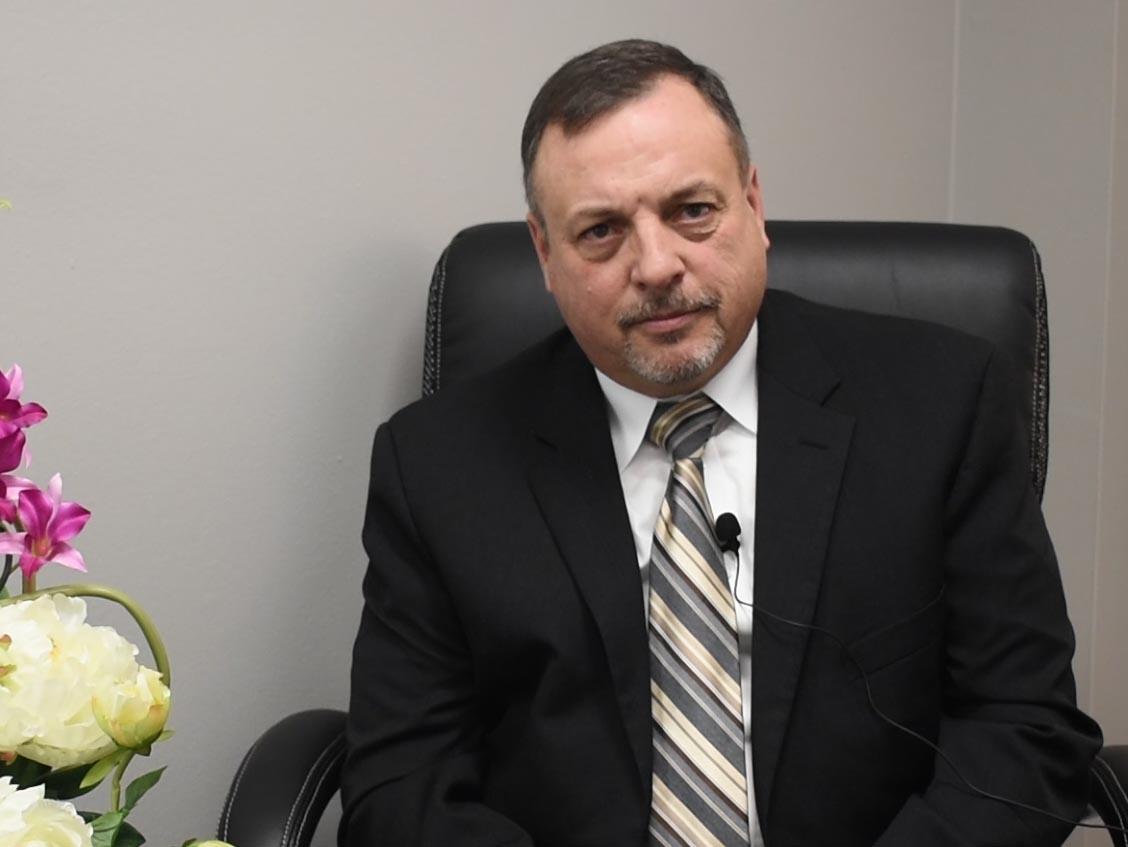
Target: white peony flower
53, 665
28, 820
134, 713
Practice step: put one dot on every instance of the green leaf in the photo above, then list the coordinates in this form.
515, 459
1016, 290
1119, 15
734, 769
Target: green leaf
24, 772
112, 830
107, 821
140, 786
128, 836
66, 783
101, 769
147, 749
62, 784
106, 828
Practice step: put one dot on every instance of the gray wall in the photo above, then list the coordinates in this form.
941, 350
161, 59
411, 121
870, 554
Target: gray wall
225, 215
1109, 631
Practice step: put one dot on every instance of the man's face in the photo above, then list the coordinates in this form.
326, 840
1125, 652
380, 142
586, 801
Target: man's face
652, 243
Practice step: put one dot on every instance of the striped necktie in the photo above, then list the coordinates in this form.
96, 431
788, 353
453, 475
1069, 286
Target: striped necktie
700, 793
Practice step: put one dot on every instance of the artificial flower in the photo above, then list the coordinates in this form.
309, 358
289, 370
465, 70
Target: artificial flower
27, 819
49, 523
14, 414
74, 703
14, 418
134, 713
54, 667
12, 450
10, 488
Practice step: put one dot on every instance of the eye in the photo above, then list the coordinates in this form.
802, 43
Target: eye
598, 232
697, 211
601, 240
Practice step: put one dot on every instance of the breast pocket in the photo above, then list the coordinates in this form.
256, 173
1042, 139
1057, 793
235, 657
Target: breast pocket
893, 644
896, 675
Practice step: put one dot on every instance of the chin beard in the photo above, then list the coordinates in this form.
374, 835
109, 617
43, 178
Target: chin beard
670, 366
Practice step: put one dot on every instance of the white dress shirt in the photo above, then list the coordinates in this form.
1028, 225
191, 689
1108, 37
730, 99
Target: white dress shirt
730, 483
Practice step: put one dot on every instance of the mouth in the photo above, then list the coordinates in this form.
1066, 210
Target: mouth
667, 322
667, 315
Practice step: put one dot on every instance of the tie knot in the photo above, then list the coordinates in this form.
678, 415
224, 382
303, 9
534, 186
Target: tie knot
681, 427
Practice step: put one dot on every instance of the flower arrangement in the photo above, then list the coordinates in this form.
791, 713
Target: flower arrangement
75, 705
27, 817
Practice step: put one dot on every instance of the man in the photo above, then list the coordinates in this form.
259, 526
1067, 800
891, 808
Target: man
559, 648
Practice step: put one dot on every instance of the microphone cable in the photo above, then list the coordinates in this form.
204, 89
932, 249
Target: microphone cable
727, 531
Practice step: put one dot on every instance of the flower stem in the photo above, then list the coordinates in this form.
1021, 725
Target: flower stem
144, 622
29, 583
9, 566
115, 783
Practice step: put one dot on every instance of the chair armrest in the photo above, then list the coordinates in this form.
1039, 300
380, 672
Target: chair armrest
1109, 792
285, 781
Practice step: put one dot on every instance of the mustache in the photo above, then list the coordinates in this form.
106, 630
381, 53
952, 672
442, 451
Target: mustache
665, 303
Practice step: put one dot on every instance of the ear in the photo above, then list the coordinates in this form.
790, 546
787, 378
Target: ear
540, 243
756, 201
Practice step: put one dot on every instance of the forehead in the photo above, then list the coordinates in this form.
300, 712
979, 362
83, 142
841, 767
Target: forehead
669, 134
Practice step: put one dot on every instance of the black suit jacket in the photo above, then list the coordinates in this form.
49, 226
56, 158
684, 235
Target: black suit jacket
501, 671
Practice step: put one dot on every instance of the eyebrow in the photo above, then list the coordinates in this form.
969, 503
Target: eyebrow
694, 188
597, 211
593, 211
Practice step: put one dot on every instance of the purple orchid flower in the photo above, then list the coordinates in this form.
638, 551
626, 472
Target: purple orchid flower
10, 488
14, 418
12, 449
49, 523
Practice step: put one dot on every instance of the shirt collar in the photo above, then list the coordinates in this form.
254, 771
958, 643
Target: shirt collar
734, 389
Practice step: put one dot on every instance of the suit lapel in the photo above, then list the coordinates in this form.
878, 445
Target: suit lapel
801, 454
575, 480
800, 459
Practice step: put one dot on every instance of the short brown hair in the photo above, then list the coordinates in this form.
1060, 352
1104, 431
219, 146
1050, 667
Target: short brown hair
592, 84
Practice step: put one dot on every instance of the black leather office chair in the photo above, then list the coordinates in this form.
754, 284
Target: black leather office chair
487, 302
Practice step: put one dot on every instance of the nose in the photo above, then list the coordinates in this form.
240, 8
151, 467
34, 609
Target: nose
657, 260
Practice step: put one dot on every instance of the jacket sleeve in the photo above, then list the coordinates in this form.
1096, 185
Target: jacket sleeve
1010, 723
413, 770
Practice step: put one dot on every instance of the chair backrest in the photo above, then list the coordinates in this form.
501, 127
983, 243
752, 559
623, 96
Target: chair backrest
487, 300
